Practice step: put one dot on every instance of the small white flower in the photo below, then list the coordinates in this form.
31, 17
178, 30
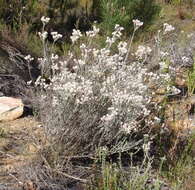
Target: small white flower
137, 23
146, 146
83, 46
81, 62
109, 40
28, 58
164, 54
118, 28
45, 19
162, 65
127, 128
55, 101
56, 36
93, 32
43, 35
143, 51
185, 59
54, 57
55, 67
76, 34
95, 52
122, 47
157, 119
29, 82
168, 28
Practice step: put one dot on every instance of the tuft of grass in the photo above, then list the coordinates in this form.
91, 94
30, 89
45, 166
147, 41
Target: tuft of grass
191, 81
114, 176
181, 173
2, 132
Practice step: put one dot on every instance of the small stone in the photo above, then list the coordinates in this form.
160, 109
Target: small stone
10, 108
161, 91
180, 81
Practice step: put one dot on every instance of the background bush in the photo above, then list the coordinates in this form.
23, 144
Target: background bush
68, 14
65, 14
122, 12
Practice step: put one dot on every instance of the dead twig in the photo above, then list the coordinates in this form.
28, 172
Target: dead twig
19, 182
71, 177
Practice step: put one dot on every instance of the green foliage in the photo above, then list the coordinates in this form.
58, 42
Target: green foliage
191, 81
14, 13
123, 12
115, 177
68, 14
64, 14
22, 19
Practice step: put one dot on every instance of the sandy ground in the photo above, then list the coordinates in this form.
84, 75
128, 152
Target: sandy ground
18, 146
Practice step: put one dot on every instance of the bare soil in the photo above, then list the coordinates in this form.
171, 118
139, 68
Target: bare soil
17, 148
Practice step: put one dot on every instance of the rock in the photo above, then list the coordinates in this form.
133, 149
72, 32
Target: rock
158, 98
29, 185
181, 80
161, 91
10, 108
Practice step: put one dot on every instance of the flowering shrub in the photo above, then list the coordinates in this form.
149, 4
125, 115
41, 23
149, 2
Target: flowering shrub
101, 101
97, 98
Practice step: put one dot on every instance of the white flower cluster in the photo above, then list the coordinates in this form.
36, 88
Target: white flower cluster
45, 19
185, 59
162, 65
93, 32
56, 36
115, 35
54, 63
43, 35
42, 83
168, 28
143, 51
105, 77
137, 23
28, 58
164, 54
76, 34
122, 48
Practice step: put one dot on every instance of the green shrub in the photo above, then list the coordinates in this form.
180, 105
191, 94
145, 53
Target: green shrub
122, 12
64, 14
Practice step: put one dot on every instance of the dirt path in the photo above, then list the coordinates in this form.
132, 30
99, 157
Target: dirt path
17, 147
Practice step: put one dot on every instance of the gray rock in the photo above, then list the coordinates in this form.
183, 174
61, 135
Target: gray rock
10, 108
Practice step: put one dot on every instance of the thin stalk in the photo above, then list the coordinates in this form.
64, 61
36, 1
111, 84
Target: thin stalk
130, 44
29, 71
